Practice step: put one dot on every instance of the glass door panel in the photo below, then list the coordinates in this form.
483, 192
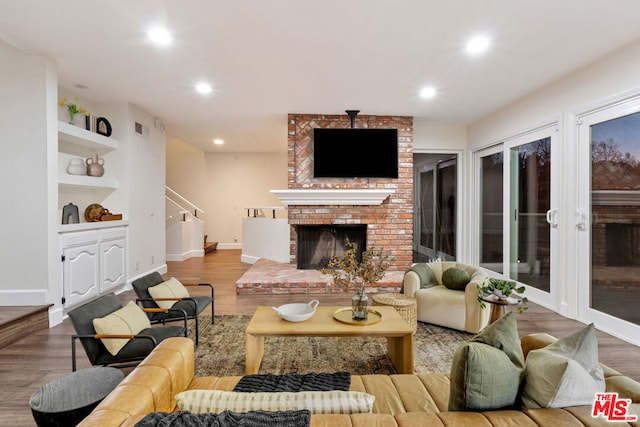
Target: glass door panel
436, 188
530, 233
615, 228
491, 212
427, 210
446, 193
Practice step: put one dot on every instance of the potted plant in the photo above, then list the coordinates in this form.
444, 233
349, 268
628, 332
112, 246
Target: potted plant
502, 289
351, 274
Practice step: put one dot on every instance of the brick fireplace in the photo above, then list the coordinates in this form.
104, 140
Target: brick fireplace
389, 222
381, 206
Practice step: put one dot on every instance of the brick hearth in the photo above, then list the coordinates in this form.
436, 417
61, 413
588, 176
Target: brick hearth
271, 277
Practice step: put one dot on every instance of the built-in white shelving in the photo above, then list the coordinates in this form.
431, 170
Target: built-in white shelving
84, 138
70, 134
84, 181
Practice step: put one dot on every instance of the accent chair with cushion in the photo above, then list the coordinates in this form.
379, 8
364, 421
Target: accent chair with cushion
447, 298
115, 335
157, 294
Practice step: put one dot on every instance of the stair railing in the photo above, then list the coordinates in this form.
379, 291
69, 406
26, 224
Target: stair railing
179, 200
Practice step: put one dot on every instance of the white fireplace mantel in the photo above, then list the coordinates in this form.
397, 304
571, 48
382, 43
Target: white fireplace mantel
332, 196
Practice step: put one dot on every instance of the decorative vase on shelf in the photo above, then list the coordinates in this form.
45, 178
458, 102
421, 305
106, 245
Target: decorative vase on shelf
359, 306
77, 167
95, 166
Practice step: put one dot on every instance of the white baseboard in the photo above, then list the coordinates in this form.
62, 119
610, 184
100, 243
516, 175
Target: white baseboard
229, 246
248, 259
56, 316
185, 255
161, 269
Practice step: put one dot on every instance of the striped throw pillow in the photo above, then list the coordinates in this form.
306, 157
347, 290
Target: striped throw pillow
318, 402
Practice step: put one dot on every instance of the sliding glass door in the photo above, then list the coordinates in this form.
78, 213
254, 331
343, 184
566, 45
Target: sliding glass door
608, 219
517, 224
436, 189
491, 200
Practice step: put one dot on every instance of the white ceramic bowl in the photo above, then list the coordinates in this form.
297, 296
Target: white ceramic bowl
297, 312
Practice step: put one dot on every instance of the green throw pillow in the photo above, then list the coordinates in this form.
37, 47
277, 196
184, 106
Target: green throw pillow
565, 373
455, 278
486, 372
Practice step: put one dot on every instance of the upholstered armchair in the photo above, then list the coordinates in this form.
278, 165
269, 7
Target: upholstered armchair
437, 304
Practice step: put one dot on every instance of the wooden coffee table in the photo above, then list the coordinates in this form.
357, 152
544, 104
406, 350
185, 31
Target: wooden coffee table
266, 323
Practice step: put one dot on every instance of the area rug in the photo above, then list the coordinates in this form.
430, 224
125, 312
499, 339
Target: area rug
222, 345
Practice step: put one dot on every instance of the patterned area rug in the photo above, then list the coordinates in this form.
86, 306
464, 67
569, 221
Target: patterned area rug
221, 351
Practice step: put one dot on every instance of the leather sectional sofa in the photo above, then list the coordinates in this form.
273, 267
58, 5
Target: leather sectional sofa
400, 400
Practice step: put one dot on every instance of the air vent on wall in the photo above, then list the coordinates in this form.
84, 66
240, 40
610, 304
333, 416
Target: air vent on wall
141, 130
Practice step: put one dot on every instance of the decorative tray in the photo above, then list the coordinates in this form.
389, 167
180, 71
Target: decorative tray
344, 315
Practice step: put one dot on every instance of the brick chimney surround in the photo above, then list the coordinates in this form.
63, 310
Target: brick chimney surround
384, 205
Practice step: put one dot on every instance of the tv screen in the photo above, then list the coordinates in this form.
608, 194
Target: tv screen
355, 153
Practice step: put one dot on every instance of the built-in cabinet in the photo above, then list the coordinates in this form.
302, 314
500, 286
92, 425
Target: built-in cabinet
93, 254
93, 262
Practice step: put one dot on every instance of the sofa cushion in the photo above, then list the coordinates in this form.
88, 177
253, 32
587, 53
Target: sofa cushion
171, 288
318, 402
565, 373
128, 320
455, 278
486, 372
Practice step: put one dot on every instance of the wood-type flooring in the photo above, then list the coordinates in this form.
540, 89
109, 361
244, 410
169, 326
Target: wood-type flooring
37, 359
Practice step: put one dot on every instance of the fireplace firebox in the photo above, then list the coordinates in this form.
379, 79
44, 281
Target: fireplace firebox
318, 243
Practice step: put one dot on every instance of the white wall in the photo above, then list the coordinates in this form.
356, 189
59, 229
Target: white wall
27, 250
186, 171
145, 181
609, 76
223, 184
237, 180
430, 136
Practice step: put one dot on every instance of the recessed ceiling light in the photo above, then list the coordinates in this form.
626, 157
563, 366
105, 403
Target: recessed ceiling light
203, 87
160, 36
218, 141
428, 92
477, 45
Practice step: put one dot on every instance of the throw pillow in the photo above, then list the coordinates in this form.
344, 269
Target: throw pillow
565, 373
486, 372
318, 402
128, 320
172, 288
455, 278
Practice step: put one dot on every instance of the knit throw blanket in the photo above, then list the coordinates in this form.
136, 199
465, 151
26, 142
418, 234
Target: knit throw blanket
426, 275
301, 418
294, 382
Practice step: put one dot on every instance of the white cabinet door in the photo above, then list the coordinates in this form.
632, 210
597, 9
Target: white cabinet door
80, 273
113, 257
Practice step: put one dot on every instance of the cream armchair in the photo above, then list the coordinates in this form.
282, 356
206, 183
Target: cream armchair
446, 307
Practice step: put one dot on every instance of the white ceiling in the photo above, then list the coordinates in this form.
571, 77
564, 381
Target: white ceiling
267, 58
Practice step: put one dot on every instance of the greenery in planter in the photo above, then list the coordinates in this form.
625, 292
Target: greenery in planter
507, 287
347, 271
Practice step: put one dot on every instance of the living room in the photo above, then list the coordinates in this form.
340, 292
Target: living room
223, 180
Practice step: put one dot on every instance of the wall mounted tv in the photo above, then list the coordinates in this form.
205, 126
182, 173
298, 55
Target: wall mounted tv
355, 153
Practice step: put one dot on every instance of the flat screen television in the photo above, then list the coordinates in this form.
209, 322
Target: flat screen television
355, 153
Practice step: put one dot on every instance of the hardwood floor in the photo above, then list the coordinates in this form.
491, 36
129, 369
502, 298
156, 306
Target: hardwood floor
37, 359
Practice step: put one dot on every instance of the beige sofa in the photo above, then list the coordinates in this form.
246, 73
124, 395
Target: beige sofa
445, 307
403, 400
